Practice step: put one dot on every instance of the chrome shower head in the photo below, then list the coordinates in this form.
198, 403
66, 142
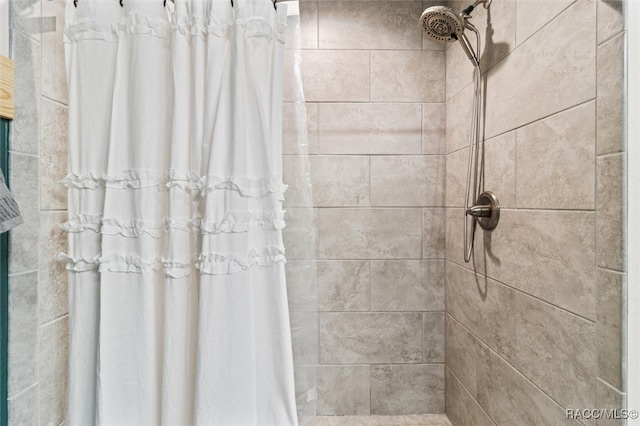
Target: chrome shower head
441, 24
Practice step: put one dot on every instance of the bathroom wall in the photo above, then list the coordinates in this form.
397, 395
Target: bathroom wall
375, 93
38, 330
537, 328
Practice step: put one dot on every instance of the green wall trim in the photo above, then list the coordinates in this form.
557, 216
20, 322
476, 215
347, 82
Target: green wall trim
4, 286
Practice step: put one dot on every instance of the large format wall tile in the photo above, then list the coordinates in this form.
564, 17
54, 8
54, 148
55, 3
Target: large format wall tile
407, 180
369, 233
302, 291
610, 18
407, 76
458, 119
556, 350
22, 408
53, 299
433, 233
23, 332
25, 18
462, 351
521, 90
25, 127
531, 15
461, 408
610, 78
343, 390
53, 156
370, 128
335, 75
460, 72
308, 25
548, 254
511, 399
54, 356
293, 138
434, 136
348, 338
610, 212
609, 398
407, 285
483, 306
407, 389
304, 337
340, 181
555, 165
609, 326
433, 337
456, 178
23, 239
370, 25
54, 80
343, 285
500, 168
300, 235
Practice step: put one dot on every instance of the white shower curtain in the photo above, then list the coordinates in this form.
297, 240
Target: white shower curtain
177, 281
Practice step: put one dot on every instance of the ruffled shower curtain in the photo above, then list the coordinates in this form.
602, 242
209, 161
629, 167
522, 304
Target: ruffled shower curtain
178, 297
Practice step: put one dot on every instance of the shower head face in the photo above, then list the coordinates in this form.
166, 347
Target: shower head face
441, 23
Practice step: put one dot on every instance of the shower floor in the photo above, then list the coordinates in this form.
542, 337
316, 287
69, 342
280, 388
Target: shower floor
412, 419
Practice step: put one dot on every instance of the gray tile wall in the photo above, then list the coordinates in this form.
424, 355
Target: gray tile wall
537, 327
38, 316
375, 93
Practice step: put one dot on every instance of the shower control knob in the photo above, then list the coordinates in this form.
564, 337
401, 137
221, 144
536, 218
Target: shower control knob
486, 210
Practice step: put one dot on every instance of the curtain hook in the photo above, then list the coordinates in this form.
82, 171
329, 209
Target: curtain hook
121, 5
231, 3
274, 5
75, 3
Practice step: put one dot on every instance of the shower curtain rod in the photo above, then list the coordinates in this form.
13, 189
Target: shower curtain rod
164, 3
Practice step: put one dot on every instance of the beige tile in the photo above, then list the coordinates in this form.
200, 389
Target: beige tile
555, 161
455, 242
300, 234
433, 233
610, 80
609, 398
500, 168
610, 18
373, 338
531, 15
302, 280
23, 239
548, 254
407, 76
434, 136
54, 80
370, 25
22, 408
369, 233
483, 306
308, 24
456, 177
296, 174
335, 75
343, 285
461, 408
462, 351
52, 274
53, 156
433, 350
370, 128
460, 71
304, 337
511, 399
340, 181
407, 285
54, 356
300, 128
411, 180
343, 390
523, 89
556, 350
609, 326
458, 119
25, 127
407, 389
610, 212
23, 333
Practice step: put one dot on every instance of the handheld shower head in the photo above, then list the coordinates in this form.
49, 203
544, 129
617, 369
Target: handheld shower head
442, 24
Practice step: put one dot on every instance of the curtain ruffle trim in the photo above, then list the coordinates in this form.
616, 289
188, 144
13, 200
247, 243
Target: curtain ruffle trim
207, 264
135, 23
136, 179
232, 223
